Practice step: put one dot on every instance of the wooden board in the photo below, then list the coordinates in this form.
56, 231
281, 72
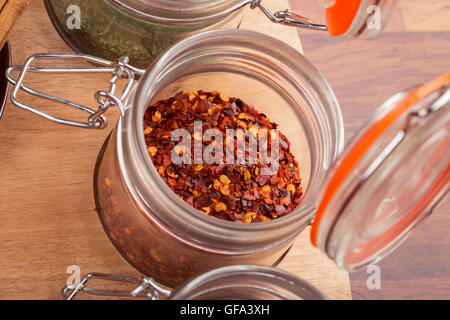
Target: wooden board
48, 218
412, 50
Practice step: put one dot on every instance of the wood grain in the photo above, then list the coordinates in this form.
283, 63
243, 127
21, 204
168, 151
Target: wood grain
413, 49
255, 20
431, 15
2, 3
48, 218
10, 11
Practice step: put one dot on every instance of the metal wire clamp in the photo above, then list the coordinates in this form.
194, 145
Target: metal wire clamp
145, 288
287, 18
120, 69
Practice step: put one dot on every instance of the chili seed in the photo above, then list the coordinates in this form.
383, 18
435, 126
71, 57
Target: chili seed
224, 179
192, 96
291, 188
148, 130
152, 151
172, 174
249, 216
157, 116
220, 206
224, 97
225, 190
217, 185
206, 210
198, 167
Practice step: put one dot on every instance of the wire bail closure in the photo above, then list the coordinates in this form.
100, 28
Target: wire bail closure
287, 18
120, 69
146, 288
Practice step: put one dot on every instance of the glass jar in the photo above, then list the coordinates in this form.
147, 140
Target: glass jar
161, 235
140, 29
244, 282
157, 232
247, 283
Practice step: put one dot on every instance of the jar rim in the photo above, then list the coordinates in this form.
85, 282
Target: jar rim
147, 172
209, 282
179, 12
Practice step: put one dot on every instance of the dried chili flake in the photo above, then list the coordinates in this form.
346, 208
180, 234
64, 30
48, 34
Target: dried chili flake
236, 192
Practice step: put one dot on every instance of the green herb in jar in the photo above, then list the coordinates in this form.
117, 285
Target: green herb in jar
109, 31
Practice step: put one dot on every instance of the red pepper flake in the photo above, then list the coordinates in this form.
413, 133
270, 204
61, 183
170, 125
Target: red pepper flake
237, 192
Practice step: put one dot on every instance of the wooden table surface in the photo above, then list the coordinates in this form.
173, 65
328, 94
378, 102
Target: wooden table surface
48, 218
46, 203
413, 49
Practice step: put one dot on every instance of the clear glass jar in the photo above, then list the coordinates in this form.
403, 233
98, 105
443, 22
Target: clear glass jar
140, 29
247, 283
241, 282
157, 232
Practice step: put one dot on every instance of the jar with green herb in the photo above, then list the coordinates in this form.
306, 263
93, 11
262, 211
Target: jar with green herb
140, 29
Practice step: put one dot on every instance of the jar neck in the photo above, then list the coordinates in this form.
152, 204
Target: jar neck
179, 12
257, 56
247, 283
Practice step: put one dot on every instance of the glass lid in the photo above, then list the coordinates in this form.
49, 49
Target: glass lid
388, 179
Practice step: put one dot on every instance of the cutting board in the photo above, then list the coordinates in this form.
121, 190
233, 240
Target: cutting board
48, 219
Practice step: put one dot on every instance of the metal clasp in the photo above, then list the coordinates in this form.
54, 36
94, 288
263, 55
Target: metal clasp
145, 288
288, 18
120, 69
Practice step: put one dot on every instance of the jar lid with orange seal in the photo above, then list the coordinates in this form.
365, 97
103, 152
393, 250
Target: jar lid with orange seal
388, 179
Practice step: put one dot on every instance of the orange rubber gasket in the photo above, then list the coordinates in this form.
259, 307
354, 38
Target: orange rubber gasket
367, 139
340, 16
